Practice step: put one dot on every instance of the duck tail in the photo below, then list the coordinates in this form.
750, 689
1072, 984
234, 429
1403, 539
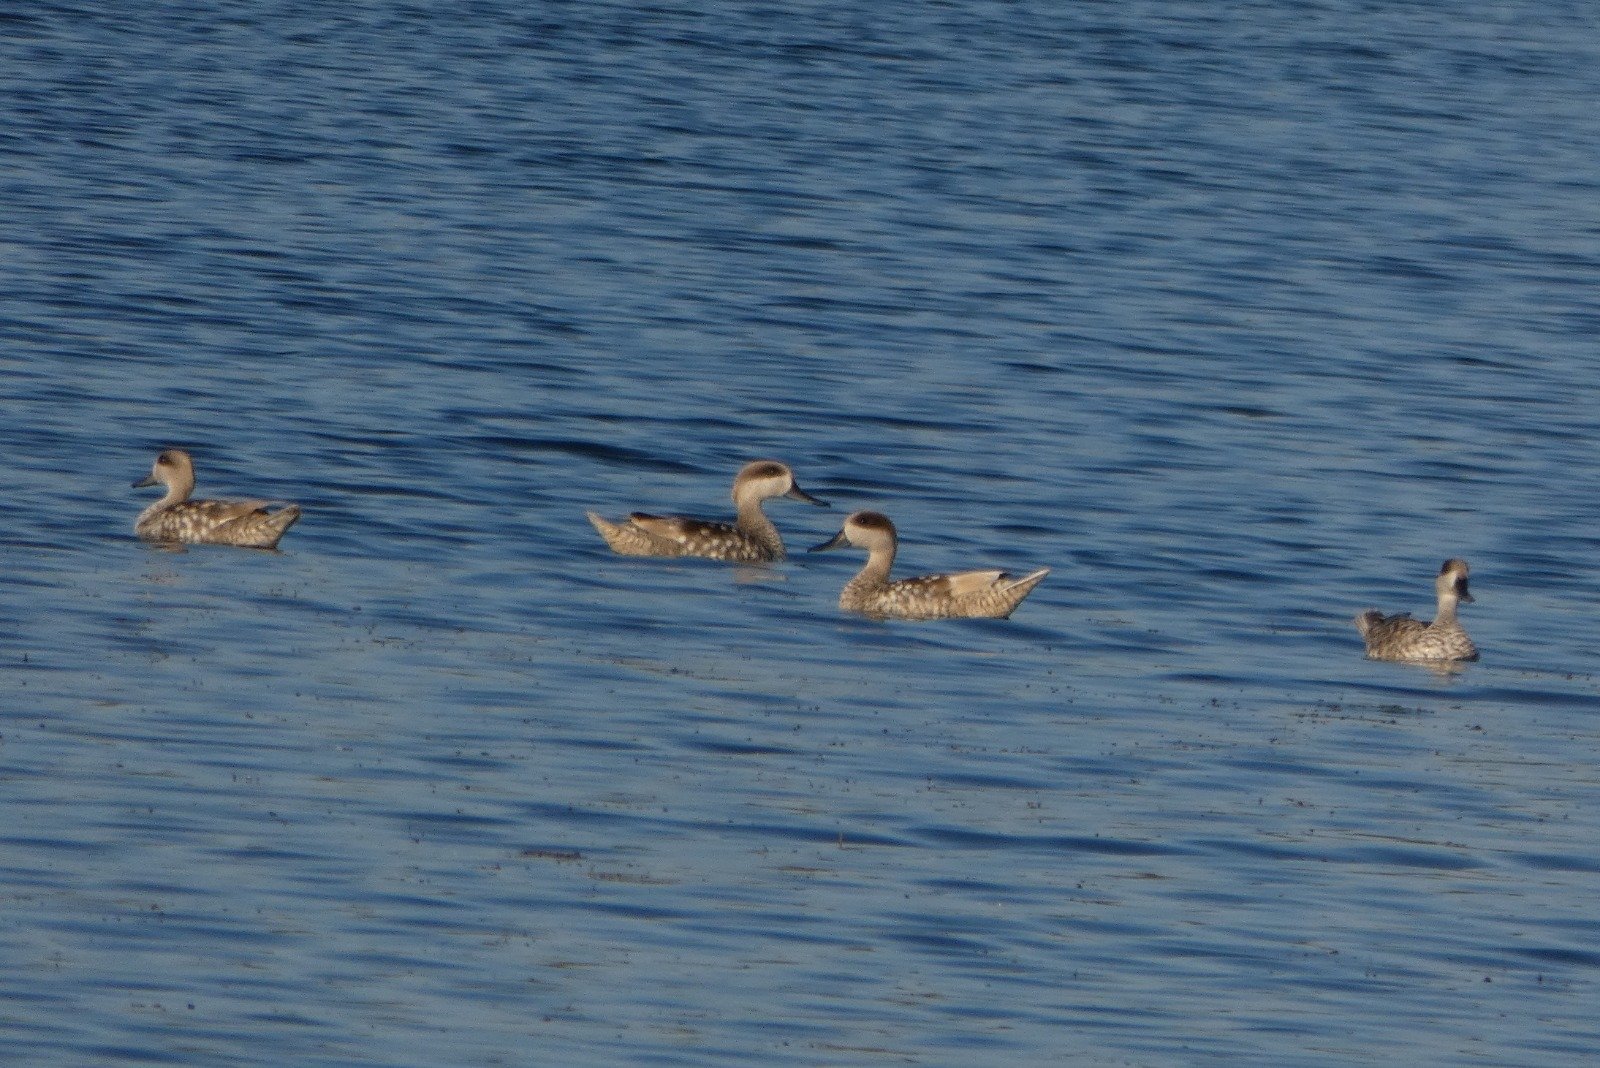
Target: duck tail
284, 518
1024, 585
1367, 620
1014, 592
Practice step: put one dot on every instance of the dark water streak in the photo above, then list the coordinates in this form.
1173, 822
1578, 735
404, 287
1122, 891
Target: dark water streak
1239, 319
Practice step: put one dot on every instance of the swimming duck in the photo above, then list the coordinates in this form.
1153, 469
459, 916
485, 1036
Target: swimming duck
176, 518
988, 594
750, 538
1399, 637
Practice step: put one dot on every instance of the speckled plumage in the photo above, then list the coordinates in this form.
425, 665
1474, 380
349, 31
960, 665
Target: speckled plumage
751, 538
968, 594
1399, 637
175, 518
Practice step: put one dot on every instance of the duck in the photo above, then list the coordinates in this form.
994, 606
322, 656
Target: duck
968, 594
749, 539
175, 518
1399, 637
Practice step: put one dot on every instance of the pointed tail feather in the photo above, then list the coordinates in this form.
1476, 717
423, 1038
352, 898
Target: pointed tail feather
1015, 592
628, 539
1026, 583
284, 518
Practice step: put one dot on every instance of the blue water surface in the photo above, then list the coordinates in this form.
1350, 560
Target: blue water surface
1241, 318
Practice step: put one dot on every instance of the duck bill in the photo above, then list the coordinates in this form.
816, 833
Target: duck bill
832, 543
147, 480
1462, 592
801, 495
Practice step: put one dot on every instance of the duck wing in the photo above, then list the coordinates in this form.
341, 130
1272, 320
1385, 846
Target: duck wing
678, 529
227, 511
968, 583
1376, 627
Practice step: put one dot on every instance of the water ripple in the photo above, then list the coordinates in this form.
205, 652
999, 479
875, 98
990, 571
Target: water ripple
1239, 324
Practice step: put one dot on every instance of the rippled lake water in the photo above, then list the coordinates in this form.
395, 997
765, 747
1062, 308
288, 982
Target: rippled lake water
1240, 318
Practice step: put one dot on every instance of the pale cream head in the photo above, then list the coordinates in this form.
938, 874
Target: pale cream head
871, 531
172, 469
1452, 581
760, 480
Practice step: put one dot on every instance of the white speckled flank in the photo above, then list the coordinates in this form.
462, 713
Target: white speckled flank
1399, 637
176, 518
969, 594
750, 538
